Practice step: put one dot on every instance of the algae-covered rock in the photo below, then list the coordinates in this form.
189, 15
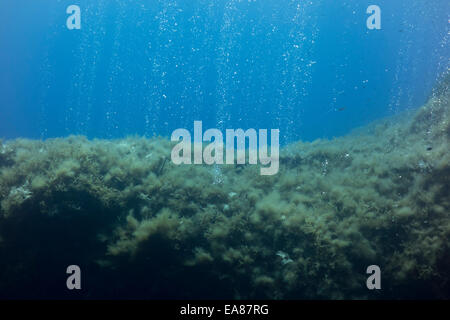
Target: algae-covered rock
142, 227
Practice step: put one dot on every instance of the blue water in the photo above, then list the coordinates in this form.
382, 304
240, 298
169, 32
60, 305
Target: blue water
310, 68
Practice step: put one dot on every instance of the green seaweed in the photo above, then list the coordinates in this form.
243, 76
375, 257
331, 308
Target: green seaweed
376, 196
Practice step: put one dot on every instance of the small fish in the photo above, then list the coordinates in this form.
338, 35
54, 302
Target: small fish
341, 109
429, 148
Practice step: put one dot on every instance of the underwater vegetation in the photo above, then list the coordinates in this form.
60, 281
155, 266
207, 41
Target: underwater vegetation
141, 227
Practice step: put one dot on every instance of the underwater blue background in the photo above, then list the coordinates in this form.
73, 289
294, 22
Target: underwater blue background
310, 68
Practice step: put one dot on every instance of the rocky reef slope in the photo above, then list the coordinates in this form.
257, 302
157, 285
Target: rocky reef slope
141, 227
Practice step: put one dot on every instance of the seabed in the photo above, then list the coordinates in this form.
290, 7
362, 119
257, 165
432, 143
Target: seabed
141, 227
